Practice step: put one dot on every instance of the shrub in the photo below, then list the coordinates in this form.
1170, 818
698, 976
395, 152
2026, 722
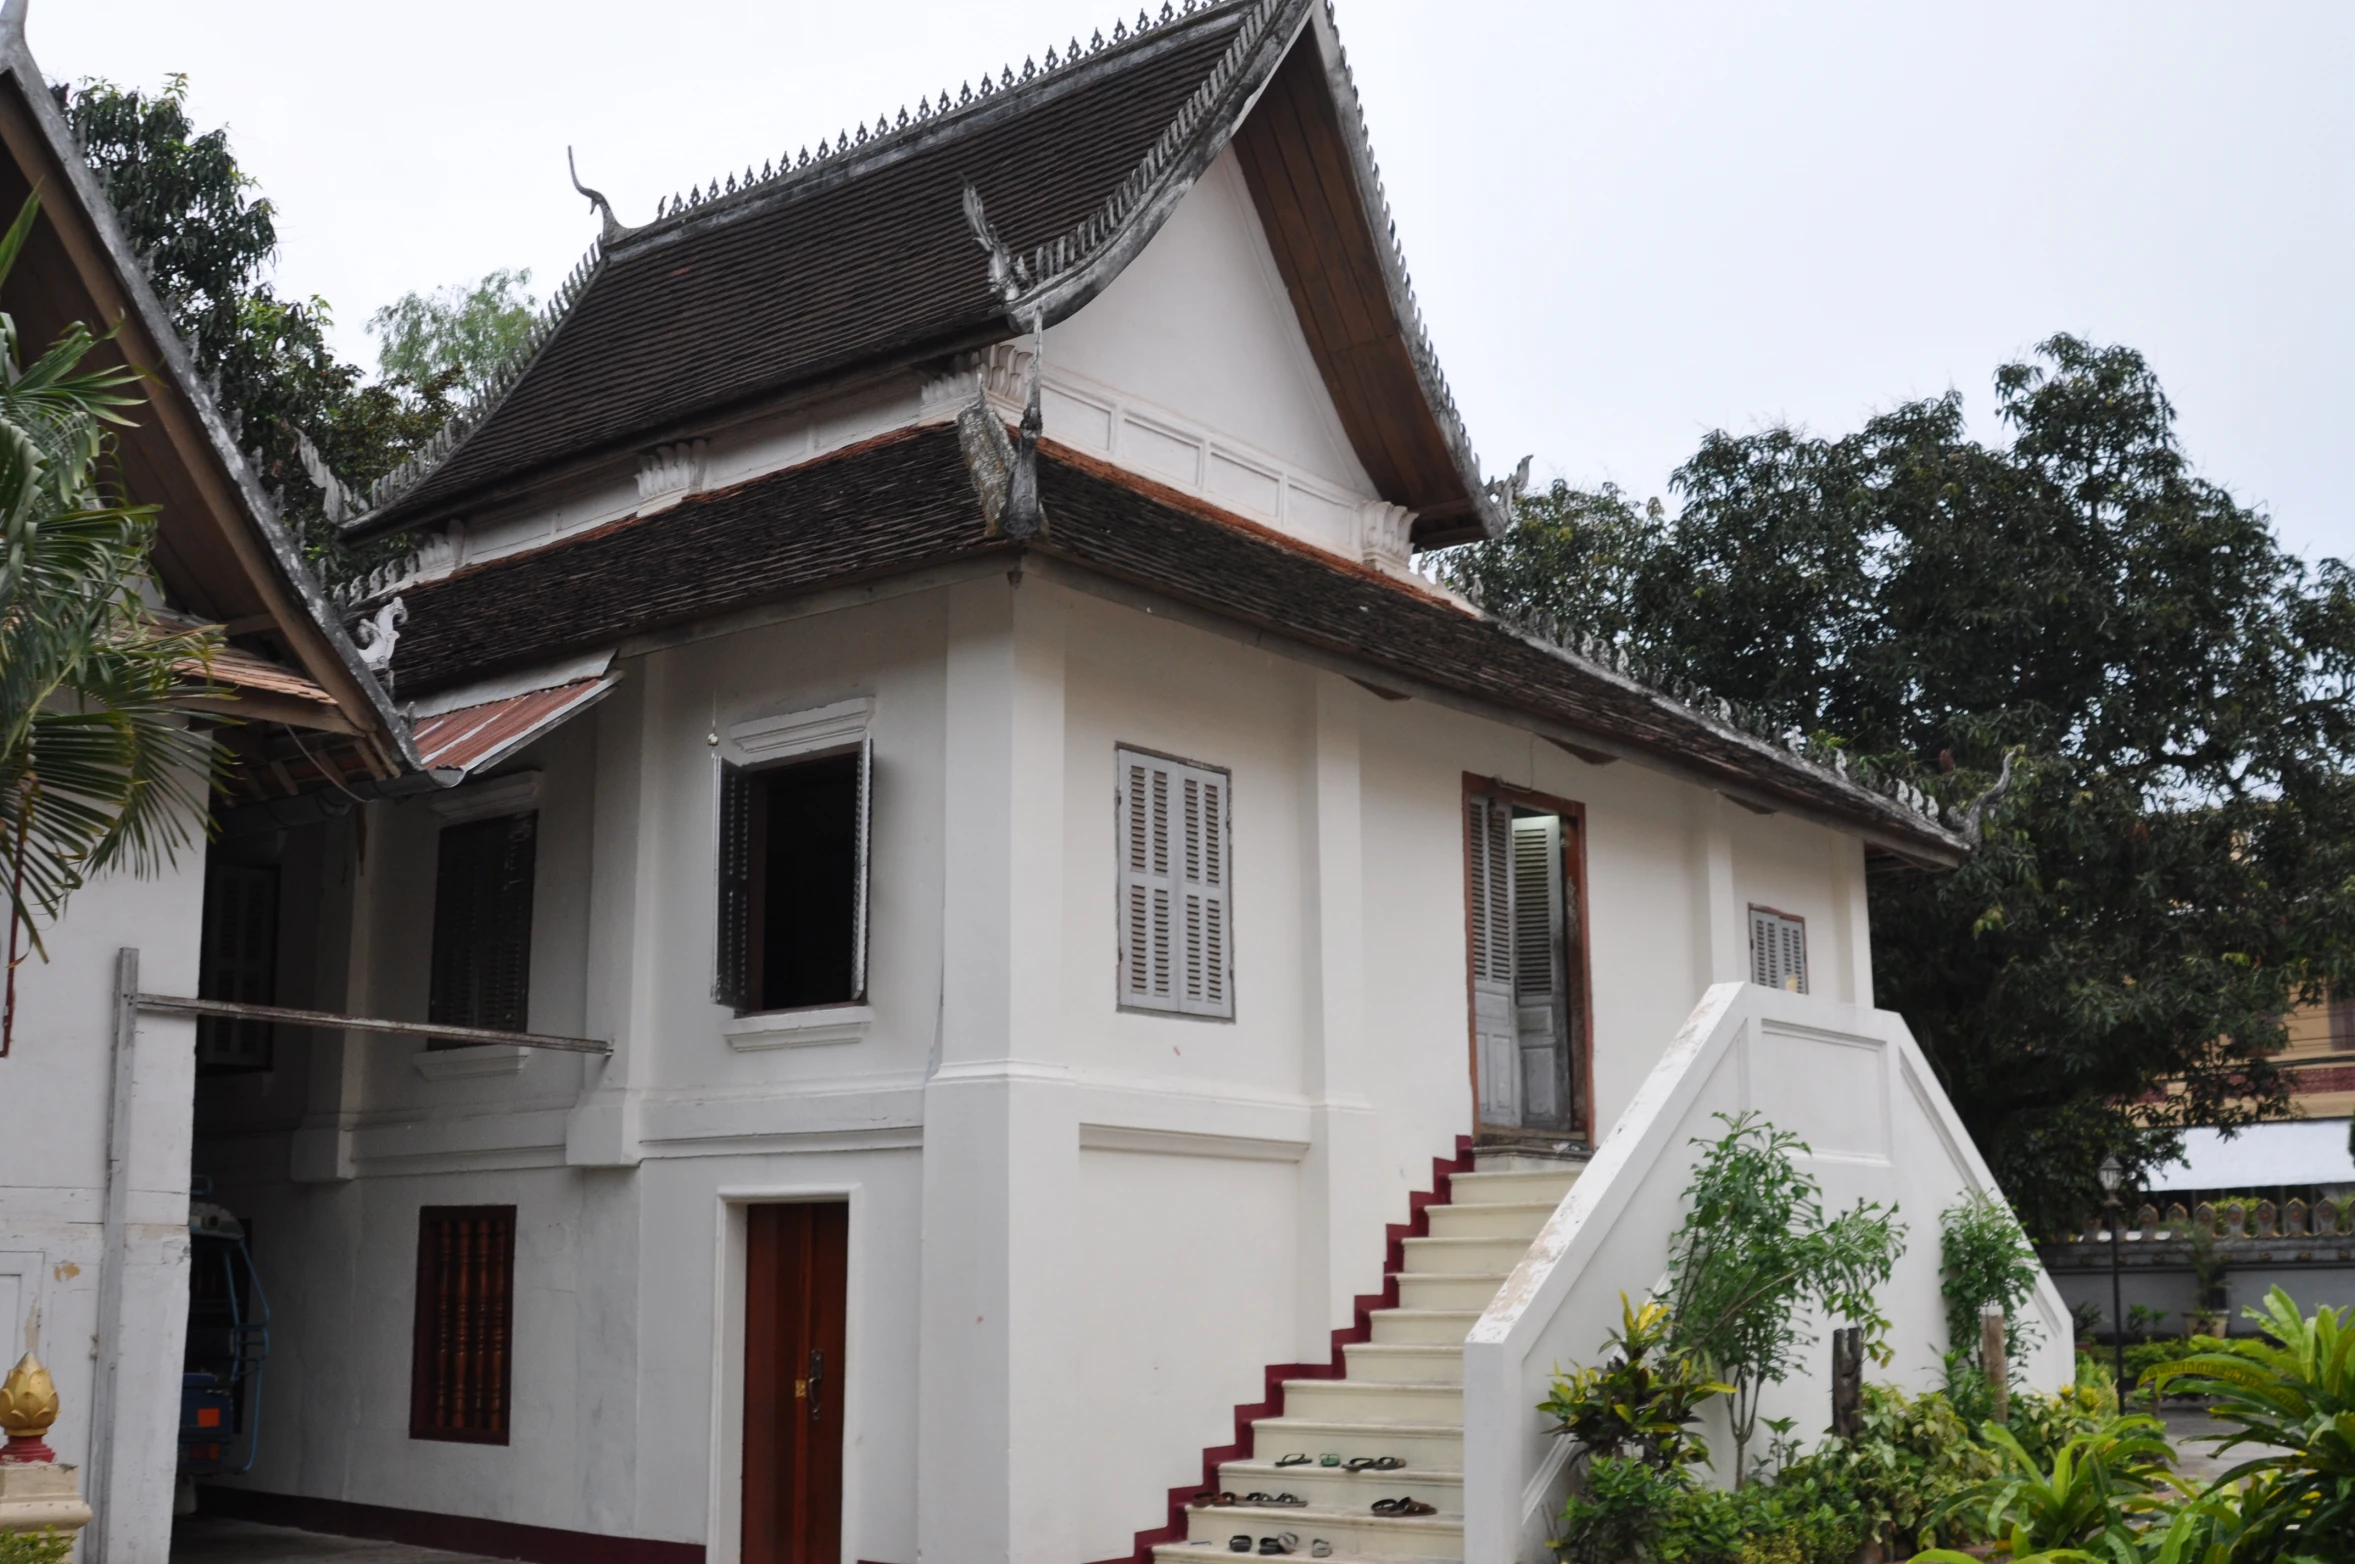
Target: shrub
2290, 1396
29, 1547
1642, 1399
1754, 1245
2090, 1495
1910, 1456
2145, 1356
1985, 1261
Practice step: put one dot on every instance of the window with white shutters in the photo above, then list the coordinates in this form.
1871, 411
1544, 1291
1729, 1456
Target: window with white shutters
1176, 835
1778, 950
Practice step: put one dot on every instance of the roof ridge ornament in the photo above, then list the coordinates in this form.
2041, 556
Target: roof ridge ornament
613, 228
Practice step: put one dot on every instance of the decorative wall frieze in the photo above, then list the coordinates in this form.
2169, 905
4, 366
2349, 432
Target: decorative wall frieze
669, 473
1385, 536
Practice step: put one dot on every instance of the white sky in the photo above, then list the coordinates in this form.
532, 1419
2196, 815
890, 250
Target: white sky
1628, 222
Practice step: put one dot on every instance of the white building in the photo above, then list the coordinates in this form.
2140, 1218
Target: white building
1065, 918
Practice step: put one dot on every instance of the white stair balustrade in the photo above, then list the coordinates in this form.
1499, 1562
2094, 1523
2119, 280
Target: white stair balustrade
1850, 1082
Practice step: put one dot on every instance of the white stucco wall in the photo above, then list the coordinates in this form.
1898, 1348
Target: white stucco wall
63, 1088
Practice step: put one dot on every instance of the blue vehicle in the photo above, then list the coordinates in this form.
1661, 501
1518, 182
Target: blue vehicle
228, 1344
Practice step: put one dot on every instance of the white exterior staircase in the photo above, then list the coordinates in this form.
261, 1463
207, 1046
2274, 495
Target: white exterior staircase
1403, 1393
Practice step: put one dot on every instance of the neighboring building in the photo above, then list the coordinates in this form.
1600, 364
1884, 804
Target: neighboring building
1045, 916
94, 1153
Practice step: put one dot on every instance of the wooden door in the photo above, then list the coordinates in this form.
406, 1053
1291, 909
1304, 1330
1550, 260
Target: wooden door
797, 1269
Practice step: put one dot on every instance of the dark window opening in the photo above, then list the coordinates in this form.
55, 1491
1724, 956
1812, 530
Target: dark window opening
461, 1366
239, 962
792, 884
482, 925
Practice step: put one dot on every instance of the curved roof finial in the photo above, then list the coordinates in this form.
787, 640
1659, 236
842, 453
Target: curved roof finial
597, 199
12, 21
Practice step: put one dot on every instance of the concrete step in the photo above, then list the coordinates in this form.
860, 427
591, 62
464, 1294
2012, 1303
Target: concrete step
1355, 1531
1520, 1185
1437, 1446
1374, 1401
1444, 1326
1429, 1290
1329, 1487
1424, 1363
1465, 1256
1503, 1219
1197, 1552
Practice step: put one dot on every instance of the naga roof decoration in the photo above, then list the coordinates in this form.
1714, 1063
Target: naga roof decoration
853, 258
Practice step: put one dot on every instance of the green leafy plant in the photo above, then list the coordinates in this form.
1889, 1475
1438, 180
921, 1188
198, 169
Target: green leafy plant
35, 1547
2291, 1397
1755, 1245
97, 768
1644, 1399
1985, 1262
2089, 1501
2144, 1322
1910, 1455
2207, 1268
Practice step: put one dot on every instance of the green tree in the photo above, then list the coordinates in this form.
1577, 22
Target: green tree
1754, 1248
208, 237
1985, 1261
2174, 867
460, 331
97, 770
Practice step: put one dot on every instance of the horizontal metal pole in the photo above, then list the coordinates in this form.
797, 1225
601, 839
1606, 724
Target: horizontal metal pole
175, 1005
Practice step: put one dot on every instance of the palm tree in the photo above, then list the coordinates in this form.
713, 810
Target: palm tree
98, 767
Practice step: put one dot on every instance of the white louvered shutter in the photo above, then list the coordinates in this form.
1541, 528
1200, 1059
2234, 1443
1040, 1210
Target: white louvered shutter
1488, 848
1176, 892
1778, 950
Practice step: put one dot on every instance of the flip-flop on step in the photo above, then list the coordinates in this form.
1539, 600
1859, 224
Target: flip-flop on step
1287, 1542
1292, 1460
1292, 1500
1328, 1460
1206, 1500
1320, 1549
1376, 1463
1238, 1544
1404, 1506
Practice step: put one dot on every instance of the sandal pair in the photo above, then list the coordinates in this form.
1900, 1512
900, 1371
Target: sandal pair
1404, 1506
1375, 1463
1279, 1500
1207, 1500
1287, 1542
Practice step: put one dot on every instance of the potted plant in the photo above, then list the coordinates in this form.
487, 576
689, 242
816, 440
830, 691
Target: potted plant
2209, 1316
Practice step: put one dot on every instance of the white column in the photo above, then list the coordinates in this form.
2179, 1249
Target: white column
1852, 928
320, 1151
1001, 1132
1342, 1194
1726, 945
626, 924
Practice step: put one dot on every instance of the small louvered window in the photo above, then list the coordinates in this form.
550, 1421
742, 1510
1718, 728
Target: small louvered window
1778, 950
482, 925
1176, 836
461, 1365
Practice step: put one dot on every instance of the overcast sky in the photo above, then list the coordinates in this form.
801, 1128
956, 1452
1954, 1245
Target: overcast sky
1628, 223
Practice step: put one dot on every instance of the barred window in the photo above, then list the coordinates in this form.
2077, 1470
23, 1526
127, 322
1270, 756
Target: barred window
462, 1361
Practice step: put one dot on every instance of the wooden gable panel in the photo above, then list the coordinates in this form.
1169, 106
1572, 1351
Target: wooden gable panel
1298, 166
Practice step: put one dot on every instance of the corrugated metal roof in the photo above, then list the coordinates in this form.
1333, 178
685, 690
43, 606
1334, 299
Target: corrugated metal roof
474, 736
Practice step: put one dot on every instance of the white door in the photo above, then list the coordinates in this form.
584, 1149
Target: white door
1541, 990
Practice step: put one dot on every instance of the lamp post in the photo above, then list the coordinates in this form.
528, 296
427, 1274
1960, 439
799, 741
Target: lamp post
2113, 1175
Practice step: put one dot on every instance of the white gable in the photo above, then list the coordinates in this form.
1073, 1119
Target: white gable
1191, 369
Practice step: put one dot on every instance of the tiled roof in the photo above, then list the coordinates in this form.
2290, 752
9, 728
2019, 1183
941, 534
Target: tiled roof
862, 258
907, 501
